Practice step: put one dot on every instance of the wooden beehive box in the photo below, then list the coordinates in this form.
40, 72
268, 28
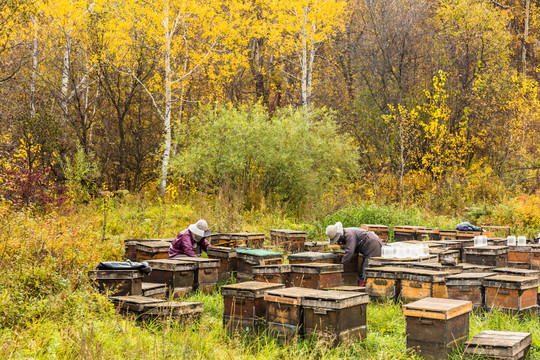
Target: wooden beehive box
448, 234
276, 274
519, 256
117, 282
152, 250
131, 246
476, 268
427, 234
248, 258
467, 286
221, 239
468, 234
448, 244
154, 290
380, 261
406, 232
248, 240
316, 245
227, 261
535, 256
434, 327
496, 256
518, 272
360, 289
497, 241
436, 267
335, 316
383, 282
176, 274
443, 253
351, 269
418, 284
151, 308
508, 292
290, 240
244, 305
499, 345
206, 273
382, 231
310, 257
316, 275
284, 311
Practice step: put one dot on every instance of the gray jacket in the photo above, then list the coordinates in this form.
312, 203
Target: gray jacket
360, 241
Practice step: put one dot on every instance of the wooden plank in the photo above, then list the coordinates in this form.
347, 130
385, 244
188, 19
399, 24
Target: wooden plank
436, 308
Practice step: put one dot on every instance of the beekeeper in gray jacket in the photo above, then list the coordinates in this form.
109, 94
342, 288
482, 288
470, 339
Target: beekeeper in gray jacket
355, 241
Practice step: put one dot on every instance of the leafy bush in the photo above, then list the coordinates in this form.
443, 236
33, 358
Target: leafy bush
287, 157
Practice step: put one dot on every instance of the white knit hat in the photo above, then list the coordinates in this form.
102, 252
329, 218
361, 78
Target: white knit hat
334, 232
200, 228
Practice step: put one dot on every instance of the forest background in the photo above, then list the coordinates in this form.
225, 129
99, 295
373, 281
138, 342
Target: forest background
131, 118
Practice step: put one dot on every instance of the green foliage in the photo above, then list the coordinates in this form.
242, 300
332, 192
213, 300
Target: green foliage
286, 158
81, 173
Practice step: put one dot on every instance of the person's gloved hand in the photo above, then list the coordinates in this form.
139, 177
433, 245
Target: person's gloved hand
362, 283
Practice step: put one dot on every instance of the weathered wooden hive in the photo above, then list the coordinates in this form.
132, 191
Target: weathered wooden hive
206, 273
434, 327
535, 256
284, 311
383, 282
244, 307
418, 284
151, 250
290, 240
406, 232
503, 345
316, 245
380, 261
276, 274
351, 269
248, 240
176, 274
221, 239
515, 294
335, 316
360, 289
154, 290
131, 246
151, 308
316, 275
476, 268
382, 231
228, 264
249, 258
518, 272
310, 257
117, 282
448, 234
428, 234
467, 286
435, 266
496, 256
519, 257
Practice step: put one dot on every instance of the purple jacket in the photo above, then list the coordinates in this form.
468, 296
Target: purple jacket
184, 244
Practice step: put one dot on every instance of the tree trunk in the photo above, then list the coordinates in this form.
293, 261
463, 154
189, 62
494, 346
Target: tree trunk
168, 106
525, 35
65, 77
34, 66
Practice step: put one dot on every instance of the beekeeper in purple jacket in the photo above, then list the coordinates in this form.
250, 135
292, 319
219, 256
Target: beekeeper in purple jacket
355, 241
186, 242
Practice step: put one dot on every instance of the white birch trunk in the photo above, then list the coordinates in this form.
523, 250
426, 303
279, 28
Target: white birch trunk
65, 77
525, 35
34, 66
168, 105
304, 62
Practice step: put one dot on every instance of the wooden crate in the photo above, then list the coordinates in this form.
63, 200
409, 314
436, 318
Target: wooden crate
248, 258
535, 256
435, 326
518, 272
448, 244
499, 345
275, 274
467, 286
131, 246
310, 257
151, 250
248, 240
317, 245
406, 232
221, 239
418, 284
154, 290
448, 234
360, 289
176, 274
244, 305
508, 292
383, 282
380, 262
382, 231
150, 308
284, 311
428, 234
474, 268
355, 265
206, 273
335, 316
227, 261
496, 256
290, 240
519, 256
435, 266
497, 241
117, 282
444, 252
316, 275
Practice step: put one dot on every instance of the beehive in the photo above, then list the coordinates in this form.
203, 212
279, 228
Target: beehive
131, 246
275, 274
519, 257
290, 240
535, 256
244, 307
152, 250
428, 234
310, 257
206, 273
316, 245
351, 269
517, 272
154, 290
248, 258
383, 282
434, 327
499, 345
177, 275
406, 232
117, 282
496, 256
151, 308
248, 240
335, 316
227, 261
448, 234
513, 293
316, 275
382, 231
418, 284
467, 286
476, 268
